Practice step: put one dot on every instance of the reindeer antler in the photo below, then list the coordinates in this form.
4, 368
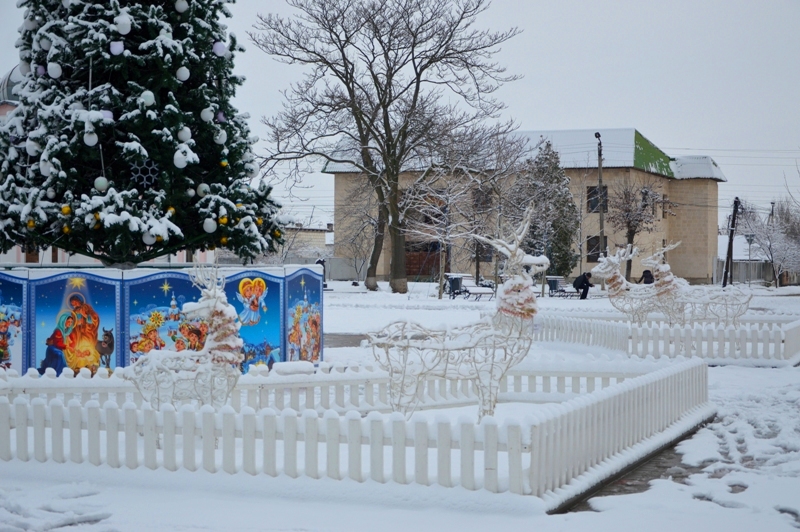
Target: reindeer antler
517, 258
654, 259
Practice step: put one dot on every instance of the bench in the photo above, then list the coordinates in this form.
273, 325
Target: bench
557, 287
471, 288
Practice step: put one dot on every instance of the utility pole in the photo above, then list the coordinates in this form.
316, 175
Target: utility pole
600, 193
729, 256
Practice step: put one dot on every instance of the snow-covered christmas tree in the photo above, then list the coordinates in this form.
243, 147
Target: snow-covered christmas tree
125, 145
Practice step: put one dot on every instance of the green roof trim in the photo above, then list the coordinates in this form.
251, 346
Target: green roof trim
648, 157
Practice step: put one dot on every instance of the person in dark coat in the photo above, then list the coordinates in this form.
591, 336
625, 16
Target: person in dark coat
583, 283
647, 277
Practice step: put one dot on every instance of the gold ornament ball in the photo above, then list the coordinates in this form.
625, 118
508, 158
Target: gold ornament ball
170, 210
223, 240
276, 233
223, 163
259, 221
223, 220
96, 227
159, 238
97, 216
66, 210
65, 229
238, 205
31, 223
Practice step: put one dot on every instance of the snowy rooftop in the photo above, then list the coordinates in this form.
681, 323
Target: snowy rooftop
622, 148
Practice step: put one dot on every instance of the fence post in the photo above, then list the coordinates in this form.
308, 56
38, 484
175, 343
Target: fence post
21, 427
398, 447
169, 417
490, 454
57, 430
332, 437
421, 452
209, 431
5, 429
443, 452
75, 431
93, 428
311, 443
228, 439
131, 432
354, 445
249, 440
515, 459
289, 416
149, 431
270, 435
467, 445
187, 437
39, 441
375, 420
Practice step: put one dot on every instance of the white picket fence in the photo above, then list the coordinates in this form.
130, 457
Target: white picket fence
751, 343
557, 445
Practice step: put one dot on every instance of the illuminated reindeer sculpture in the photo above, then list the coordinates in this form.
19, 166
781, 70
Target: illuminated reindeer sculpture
483, 351
682, 303
633, 300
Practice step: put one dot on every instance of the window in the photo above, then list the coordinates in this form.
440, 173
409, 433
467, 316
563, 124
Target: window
664, 208
594, 249
594, 199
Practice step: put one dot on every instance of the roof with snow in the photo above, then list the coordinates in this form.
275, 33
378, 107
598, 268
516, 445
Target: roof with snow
624, 148
7, 83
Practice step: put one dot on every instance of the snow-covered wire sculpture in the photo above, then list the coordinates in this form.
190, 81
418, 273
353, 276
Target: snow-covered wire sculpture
633, 300
682, 303
207, 376
482, 352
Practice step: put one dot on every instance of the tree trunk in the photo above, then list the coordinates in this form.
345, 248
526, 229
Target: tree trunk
398, 280
629, 264
371, 280
442, 264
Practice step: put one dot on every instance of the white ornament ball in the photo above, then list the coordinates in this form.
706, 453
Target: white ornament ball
148, 98
45, 43
221, 137
209, 225
40, 70
24, 68
219, 49
54, 70
181, 6
32, 147
107, 115
30, 24
66, 3
51, 193
149, 239
101, 184
90, 138
76, 106
179, 159
116, 47
182, 74
190, 192
184, 134
123, 23
203, 189
207, 114
251, 169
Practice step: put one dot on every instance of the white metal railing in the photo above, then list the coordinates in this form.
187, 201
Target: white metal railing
558, 444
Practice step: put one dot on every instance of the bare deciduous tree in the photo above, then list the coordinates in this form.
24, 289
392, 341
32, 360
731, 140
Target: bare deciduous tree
776, 236
632, 209
389, 82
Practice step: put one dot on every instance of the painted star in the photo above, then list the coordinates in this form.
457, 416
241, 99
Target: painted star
166, 287
77, 282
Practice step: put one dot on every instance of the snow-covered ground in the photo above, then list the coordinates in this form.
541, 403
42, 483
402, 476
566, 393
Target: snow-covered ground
751, 454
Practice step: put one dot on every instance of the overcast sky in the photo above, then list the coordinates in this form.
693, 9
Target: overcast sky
719, 78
